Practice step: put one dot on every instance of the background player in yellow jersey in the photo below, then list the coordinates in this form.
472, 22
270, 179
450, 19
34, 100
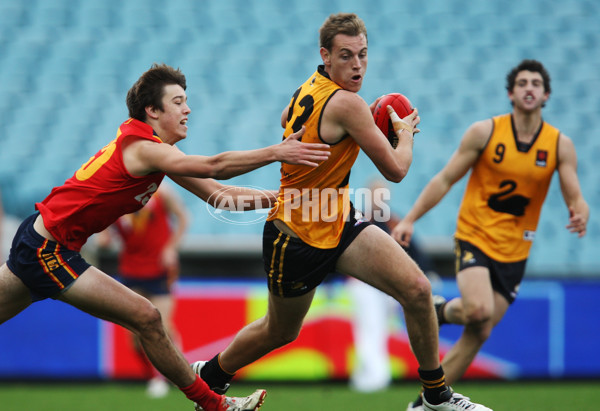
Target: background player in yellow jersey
512, 158
313, 230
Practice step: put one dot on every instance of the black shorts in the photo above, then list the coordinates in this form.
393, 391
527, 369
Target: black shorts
45, 267
505, 277
293, 267
148, 286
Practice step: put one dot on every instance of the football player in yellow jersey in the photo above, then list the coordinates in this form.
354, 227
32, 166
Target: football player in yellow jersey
304, 241
512, 158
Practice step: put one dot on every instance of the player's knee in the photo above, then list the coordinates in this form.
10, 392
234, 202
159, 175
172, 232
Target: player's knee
288, 337
148, 318
418, 292
477, 314
281, 336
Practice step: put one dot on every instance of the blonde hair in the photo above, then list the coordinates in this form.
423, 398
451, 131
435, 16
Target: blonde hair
342, 23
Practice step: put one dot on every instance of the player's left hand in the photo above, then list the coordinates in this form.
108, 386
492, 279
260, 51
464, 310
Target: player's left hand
410, 122
577, 223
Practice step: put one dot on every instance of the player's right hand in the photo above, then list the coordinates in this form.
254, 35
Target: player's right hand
373, 105
403, 232
294, 151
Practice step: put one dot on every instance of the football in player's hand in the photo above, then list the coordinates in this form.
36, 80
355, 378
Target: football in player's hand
401, 105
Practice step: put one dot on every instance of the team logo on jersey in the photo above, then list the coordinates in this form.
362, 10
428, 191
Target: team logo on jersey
529, 235
541, 158
504, 202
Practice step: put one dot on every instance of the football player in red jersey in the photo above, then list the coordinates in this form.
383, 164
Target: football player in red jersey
45, 260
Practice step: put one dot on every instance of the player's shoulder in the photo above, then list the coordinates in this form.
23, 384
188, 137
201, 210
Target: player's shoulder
566, 147
345, 96
479, 133
346, 102
483, 127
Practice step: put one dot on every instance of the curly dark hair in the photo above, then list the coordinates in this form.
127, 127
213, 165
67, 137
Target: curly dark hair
528, 65
149, 89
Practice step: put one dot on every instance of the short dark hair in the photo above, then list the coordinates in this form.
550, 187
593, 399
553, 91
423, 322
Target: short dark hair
342, 23
528, 65
149, 89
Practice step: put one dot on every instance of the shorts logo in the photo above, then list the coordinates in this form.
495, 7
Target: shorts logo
515, 291
528, 235
541, 158
468, 258
298, 285
50, 261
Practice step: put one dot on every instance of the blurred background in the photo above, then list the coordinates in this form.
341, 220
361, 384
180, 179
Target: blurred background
66, 66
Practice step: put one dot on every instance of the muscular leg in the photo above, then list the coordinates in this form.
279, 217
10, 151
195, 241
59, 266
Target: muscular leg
479, 309
375, 258
101, 296
280, 326
14, 296
165, 304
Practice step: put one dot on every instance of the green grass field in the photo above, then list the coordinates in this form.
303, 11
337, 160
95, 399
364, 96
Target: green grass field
501, 396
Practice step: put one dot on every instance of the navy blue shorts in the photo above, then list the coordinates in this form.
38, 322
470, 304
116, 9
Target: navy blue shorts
151, 286
45, 267
293, 267
505, 277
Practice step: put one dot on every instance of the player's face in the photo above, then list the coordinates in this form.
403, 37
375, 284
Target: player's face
173, 118
347, 61
528, 94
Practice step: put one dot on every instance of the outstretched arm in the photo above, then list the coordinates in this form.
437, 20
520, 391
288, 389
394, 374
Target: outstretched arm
143, 157
579, 211
462, 160
223, 196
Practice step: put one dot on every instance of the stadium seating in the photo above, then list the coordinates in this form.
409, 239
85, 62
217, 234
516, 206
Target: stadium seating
66, 65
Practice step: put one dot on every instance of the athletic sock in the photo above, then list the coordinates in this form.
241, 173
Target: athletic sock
434, 386
440, 314
200, 393
214, 375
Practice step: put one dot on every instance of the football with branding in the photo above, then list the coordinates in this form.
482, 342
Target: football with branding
401, 105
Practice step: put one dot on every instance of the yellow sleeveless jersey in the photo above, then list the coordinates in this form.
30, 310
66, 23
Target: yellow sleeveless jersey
314, 201
506, 190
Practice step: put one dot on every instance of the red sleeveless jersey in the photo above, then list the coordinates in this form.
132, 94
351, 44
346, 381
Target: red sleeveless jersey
99, 192
145, 234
